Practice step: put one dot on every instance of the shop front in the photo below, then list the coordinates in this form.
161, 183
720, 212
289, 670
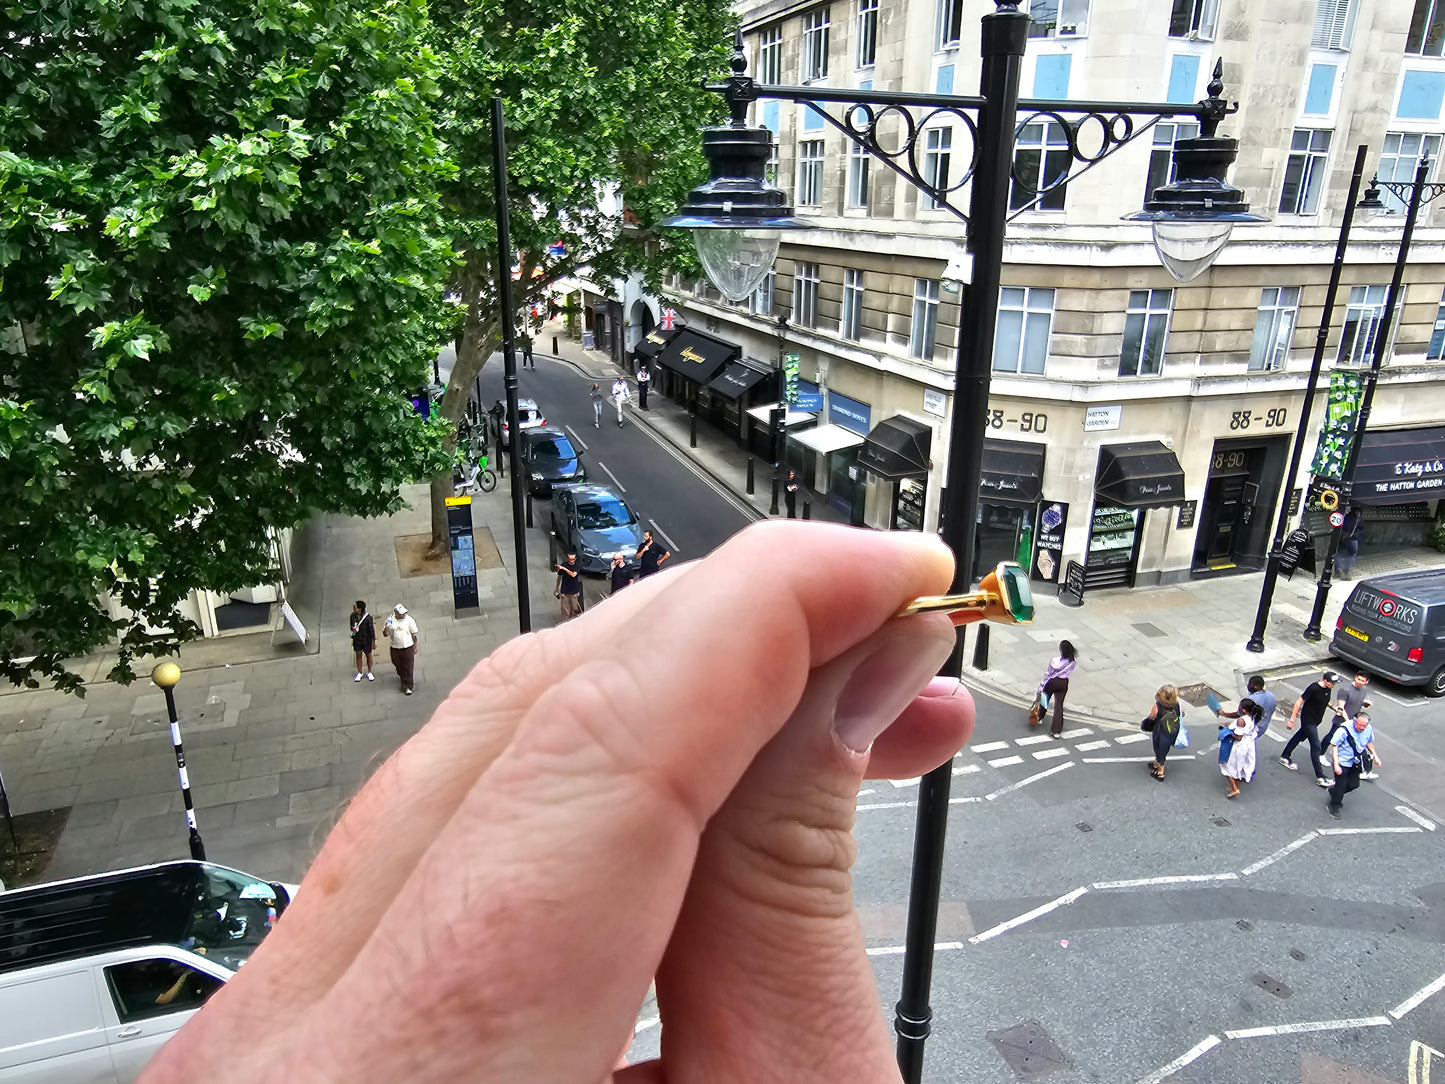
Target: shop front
729, 395
839, 481
1132, 478
1234, 517
690, 359
1009, 487
649, 346
1399, 480
896, 452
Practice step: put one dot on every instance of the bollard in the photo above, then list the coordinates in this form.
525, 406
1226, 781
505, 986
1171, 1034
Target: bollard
980, 647
529, 507
692, 429
554, 346
807, 509
750, 476
773, 508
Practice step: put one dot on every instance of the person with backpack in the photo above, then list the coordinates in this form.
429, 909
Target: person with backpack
1162, 723
1351, 753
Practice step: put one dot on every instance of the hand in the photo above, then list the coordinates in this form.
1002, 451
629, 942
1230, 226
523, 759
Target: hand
1338, 770
1289, 725
495, 901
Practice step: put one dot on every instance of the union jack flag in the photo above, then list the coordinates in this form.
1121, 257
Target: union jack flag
669, 319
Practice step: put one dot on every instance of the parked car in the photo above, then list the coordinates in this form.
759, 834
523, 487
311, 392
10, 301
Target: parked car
529, 416
1394, 626
550, 460
96, 973
594, 523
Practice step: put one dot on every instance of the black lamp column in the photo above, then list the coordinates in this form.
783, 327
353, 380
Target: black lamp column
1276, 549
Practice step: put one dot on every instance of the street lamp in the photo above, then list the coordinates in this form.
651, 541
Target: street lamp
166, 674
1191, 219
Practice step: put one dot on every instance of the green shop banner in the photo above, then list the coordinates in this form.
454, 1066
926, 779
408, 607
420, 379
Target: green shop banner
792, 369
1342, 412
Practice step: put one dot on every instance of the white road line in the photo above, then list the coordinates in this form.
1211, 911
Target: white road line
1310, 1025
1415, 999
1077, 732
884, 805
1423, 822
1049, 754
1003, 762
898, 950
1368, 831
575, 438
1025, 782
1144, 882
1193, 1053
900, 783
966, 801
1127, 738
621, 488
989, 747
1027, 916
1283, 852
861, 793
643, 1025
671, 545
1103, 743
966, 769
1118, 760
1034, 739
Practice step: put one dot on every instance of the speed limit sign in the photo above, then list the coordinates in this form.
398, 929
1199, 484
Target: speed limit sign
1337, 519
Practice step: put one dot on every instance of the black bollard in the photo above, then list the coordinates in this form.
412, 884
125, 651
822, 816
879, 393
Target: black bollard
807, 509
554, 346
750, 476
692, 428
529, 507
773, 508
980, 648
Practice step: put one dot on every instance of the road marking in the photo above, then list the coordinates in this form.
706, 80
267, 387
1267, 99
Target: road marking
966, 769
1127, 738
1103, 743
1367, 831
1025, 782
965, 801
575, 438
1406, 811
671, 545
901, 783
644, 1024
1419, 996
615, 482
1050, 754
1003, 762
1144, 882
1310, 1025
863, 792
1034, 739
1118, 760
1283, 852
1027, 916
989, 747
1421, 1057
885, 805
899, 950
1198, 1050
1077, 732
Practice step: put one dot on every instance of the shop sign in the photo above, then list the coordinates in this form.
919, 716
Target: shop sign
1099, 418
849, 413
810, 397
1299, 548
935, 402
1072, 591
1347, 389
1185, 520
1049, 553
792, 370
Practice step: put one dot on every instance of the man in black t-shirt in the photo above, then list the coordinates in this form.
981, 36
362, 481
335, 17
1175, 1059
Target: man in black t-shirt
1309, 710
569, 587
621, 574
651, 555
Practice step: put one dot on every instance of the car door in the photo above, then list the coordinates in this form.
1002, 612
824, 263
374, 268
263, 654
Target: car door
52, 1030
149, 1000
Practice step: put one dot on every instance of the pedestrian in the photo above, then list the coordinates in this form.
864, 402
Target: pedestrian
528, 362
1236, 745
620, 394
1349, 701
1351, 753
650, 556
621, 574
1265, 700
1309, 709
1352, 533
400, 629
498, 411
596, 406
1162, 723
790, 494
569, 588
644, 381
363, 639
1053, 687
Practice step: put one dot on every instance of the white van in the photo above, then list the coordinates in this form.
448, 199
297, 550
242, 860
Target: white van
97, 972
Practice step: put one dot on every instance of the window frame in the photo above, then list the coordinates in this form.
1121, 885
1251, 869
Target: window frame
1433, 21
865, 48
1034, 301
1372, 313
1270, 315
948, 29
1194, 20
1146, 311
1039, 30
1435, 348
857, 192
1050, 152
850, 316
923, 329
128, 1014
1402, 165
768, 284
1311, 168
1175, 128
811, 153
814, 53
770, 55
806, 277
1334, 34
937, 162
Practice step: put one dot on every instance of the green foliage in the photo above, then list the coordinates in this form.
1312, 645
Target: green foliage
1437, 535
220, 257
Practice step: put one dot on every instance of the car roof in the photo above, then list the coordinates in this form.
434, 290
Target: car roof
547, 431
588, 489
1425, 585
532, 403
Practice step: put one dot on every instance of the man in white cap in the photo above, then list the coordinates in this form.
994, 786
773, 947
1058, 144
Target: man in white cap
400, 629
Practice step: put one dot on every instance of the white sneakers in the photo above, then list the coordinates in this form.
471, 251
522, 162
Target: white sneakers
369, 676
1322, 782
357, 677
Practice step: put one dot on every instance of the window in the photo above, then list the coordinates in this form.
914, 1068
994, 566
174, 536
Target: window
1436, 350
815, 45
1161, 157
805, 294
1274, 328
1146, 325
1427, 29
1334, 24
1398, 159
1194, 19
1041, 158
1021, 338
1304, 174
149, 988
1362, 324
867, 51
810, 173
770, 55
950, 23
763, 295
851, 325
937, 152
924, 332
857, 176
1058, 18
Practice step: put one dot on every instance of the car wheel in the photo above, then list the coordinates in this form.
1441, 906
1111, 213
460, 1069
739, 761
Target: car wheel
1436, 685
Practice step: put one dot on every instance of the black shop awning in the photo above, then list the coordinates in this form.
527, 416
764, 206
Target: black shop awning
1013, 472
1398, 466
1144, 474
897, 448
737, 380
695, 355
652, 343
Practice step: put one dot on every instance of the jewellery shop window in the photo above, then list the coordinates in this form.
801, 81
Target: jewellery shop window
1113, 536
908, 511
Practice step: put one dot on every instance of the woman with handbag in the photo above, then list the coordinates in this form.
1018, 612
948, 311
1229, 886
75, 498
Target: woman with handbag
1162, 724
1236, 745
1052, 689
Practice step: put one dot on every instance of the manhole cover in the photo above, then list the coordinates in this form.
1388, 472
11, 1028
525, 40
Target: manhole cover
1198, 694
1152, 631
1028, 1049
1296, 954
1244, 924
1084, 827
1221, 822
1269, 985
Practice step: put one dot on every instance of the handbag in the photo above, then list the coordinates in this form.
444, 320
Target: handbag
1036, 713
1226, 743
1148, 724
1182, 742
1362, 756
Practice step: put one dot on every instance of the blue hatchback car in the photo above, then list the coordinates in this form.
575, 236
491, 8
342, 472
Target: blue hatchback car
596, 524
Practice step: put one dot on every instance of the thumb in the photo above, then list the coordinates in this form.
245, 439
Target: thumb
768, 945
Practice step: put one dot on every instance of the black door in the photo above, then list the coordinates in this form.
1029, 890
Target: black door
1223, 530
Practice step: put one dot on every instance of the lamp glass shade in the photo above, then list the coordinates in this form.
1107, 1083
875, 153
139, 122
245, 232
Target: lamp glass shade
1187, 247
1370, 207
736, 261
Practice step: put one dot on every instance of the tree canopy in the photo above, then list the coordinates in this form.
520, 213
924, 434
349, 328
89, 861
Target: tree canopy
221, 273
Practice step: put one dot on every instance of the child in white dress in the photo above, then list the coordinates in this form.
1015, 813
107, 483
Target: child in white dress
1238, 766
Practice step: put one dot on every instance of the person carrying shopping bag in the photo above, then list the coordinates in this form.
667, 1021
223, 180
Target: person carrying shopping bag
1053, 687
1163, 724
1236, 745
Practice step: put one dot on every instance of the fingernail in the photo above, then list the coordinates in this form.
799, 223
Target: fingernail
887, 680
941, 688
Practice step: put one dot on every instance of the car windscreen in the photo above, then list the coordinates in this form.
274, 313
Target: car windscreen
1385, 609
597, 513
550, 447
229, 915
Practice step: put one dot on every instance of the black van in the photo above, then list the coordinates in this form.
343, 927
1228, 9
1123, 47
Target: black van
1394, 626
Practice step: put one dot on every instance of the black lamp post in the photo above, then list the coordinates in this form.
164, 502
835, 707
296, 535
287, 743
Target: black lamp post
166, 674
737, 217
1414, 193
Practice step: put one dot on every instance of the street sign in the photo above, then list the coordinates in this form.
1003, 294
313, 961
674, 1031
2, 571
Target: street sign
1337, 519
464, 557
792, 371
1071, 587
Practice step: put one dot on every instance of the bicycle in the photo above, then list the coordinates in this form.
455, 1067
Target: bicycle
479, 478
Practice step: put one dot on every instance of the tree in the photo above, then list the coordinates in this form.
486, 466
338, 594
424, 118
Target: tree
221, 261
603, 103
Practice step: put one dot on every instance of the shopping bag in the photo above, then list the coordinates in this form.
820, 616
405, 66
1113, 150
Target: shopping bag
1183, 740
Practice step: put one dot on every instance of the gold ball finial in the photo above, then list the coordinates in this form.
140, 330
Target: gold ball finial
166, 674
